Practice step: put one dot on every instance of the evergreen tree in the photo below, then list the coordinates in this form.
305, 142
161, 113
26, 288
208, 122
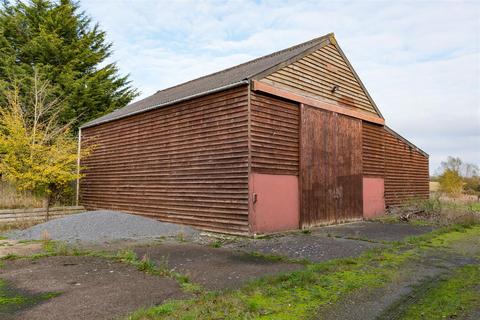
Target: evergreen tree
59, 42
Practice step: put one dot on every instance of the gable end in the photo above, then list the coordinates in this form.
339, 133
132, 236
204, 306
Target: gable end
324, 74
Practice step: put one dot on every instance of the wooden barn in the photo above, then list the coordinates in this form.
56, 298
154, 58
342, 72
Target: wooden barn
286, 141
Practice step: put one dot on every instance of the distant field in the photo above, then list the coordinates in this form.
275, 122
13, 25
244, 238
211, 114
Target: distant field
434, 186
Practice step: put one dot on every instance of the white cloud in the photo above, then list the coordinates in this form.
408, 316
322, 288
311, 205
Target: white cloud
418, 59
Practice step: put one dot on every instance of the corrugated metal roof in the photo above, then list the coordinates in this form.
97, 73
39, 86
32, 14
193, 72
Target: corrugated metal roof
207, 84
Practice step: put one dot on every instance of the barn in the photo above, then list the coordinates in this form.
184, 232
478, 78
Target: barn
286, 141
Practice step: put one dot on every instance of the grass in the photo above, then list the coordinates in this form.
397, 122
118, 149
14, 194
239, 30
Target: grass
13, 300
216, 244
444, 237
299, 295
11, 199
447, 298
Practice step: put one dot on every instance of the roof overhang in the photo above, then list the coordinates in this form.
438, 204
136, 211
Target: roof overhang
197, 95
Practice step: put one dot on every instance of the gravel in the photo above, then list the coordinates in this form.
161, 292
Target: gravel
103, 226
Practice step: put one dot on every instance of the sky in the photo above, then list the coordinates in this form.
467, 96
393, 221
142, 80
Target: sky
419, 60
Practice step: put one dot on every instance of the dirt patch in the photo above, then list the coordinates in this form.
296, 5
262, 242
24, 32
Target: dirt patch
89, 287
213, 268
18, 248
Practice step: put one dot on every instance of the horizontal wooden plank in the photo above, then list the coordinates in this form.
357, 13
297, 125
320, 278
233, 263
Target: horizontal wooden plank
317, 73
185, 163
274, 135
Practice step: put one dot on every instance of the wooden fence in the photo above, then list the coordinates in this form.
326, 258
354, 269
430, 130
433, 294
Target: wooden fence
8, 216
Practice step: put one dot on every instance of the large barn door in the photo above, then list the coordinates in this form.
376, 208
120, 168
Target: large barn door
330, 167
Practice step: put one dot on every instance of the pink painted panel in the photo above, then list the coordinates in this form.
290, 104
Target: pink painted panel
274, 203
373, 197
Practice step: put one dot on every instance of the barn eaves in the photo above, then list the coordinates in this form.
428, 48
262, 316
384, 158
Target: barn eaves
226, 79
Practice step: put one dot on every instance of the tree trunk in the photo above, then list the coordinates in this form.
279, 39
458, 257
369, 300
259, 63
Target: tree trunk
47, 206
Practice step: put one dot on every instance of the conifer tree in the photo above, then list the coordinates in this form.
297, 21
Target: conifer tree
60, 42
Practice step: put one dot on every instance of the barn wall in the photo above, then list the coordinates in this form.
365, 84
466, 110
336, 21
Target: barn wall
403, 167
406, 171
373, 150
315, 74
274, 135
185, 163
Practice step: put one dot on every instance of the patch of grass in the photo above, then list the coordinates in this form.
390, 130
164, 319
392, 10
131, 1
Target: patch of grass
12, 300
216, 244
156, 312
445, 236
448, 298
300, 294
10, 256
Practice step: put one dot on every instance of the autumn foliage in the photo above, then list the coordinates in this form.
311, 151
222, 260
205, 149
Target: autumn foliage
37, 153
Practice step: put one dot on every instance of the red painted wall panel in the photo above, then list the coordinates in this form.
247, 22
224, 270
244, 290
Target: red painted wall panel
275, 204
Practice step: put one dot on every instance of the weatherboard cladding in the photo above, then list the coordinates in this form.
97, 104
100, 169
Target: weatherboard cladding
317, 73
186, 163
406, 170
274, 135
403, 166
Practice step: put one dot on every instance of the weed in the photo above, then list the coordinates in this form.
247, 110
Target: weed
127, 256
10, 256
180, 237
216, 244
146, 265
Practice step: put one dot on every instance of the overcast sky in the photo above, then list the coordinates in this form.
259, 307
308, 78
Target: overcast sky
419, 60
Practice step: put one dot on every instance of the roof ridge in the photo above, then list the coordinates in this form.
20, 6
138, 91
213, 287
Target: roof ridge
311, 41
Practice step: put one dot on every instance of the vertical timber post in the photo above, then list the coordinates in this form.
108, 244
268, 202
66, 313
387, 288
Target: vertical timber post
77, 194
249, 144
